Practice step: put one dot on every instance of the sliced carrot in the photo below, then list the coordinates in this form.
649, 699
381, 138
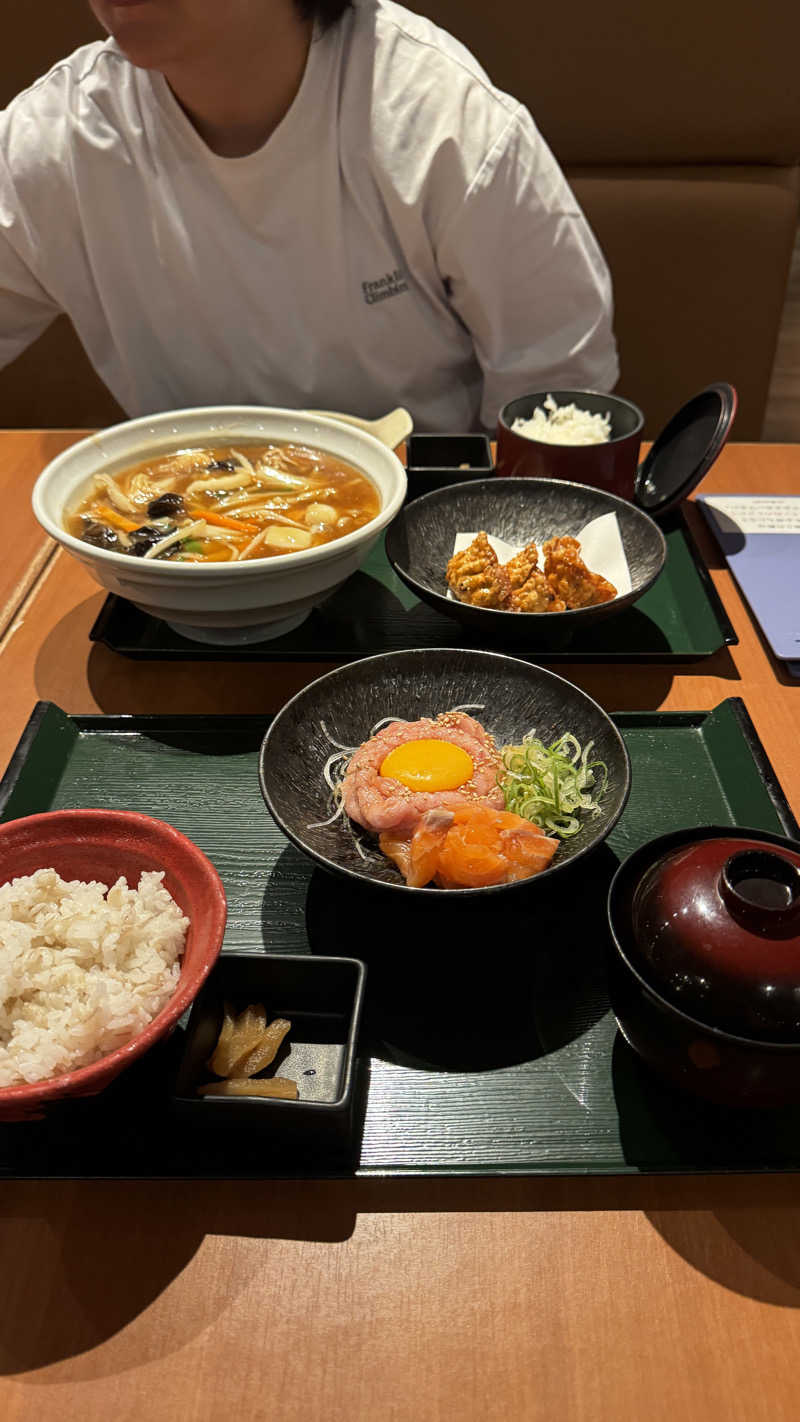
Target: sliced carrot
222, 521
117, 520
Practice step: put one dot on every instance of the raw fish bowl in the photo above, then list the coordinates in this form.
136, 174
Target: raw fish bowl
508, 696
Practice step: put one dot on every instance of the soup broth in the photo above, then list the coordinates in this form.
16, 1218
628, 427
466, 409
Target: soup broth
223, 504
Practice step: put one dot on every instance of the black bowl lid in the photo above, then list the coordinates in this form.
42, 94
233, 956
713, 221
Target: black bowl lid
685, 450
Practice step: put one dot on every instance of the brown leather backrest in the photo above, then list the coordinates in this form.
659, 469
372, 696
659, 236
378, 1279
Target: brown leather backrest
679, 127
638, 81
38, 36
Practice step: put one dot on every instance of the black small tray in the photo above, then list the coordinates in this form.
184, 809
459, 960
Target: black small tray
322, 997
434, 461
487, 1044
681, 618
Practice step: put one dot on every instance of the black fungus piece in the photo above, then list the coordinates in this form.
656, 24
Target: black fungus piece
165, 505
144, 538
101, 537
228, 464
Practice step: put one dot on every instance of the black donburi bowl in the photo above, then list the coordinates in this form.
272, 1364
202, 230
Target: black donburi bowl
419, 544
508, 697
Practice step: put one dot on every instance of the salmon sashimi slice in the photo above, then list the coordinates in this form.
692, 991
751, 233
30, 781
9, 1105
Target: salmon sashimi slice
426, 846
473, 847
398, 850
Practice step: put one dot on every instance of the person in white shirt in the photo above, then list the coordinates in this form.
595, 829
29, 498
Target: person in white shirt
296, 202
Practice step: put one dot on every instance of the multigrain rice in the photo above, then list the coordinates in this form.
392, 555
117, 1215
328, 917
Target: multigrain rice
83, 969
564, 424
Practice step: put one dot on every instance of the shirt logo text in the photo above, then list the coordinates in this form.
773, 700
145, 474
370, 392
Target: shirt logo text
392, 284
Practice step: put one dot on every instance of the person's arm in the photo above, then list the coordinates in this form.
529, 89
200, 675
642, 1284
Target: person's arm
26, 309
527, 277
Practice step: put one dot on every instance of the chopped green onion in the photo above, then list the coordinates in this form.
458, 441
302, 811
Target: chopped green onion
192, 545
553, 785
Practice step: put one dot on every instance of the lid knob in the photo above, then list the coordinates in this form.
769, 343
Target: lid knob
761, 890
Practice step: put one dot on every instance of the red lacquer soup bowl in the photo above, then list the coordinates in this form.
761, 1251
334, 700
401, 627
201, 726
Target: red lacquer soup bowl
705, 963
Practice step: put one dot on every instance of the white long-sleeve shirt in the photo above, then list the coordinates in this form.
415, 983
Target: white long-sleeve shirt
403, 237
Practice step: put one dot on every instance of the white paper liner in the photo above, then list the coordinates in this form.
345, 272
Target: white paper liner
600, 547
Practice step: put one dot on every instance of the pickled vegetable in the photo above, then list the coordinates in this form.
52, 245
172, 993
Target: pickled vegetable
279, 1086
219, 1059
237, 1039
266, 1049
245, 1046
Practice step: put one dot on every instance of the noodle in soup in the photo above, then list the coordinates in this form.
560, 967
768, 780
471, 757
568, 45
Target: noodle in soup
223, 504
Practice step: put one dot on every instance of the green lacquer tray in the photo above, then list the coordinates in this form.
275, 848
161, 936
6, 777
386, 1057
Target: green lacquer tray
681, 618
487, 1044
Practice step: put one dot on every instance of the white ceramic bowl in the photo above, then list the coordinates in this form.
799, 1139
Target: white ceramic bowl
220, 602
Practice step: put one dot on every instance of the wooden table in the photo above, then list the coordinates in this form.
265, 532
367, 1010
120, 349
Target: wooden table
29, 549
585, 1299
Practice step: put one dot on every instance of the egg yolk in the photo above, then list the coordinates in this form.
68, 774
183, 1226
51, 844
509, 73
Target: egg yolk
428, 765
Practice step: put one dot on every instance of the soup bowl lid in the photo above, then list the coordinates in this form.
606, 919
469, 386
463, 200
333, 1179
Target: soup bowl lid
711, 920
682, 454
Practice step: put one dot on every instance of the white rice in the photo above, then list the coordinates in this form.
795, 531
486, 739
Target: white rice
564, 424
83, 969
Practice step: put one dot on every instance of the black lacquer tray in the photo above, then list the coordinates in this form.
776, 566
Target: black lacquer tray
681, 618
487, 1044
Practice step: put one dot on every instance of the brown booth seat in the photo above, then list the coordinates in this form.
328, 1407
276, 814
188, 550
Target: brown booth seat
679, 128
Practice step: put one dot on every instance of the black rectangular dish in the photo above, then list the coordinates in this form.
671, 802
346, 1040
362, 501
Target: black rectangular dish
321, 998
681, 618
435, 461
487, 1045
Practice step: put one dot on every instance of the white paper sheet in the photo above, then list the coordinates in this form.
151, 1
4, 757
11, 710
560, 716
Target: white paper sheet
600, 543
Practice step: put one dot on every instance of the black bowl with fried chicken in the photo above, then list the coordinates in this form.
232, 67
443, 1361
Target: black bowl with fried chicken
546, 593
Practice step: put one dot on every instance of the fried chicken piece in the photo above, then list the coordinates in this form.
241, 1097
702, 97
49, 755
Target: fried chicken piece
569, 577
530, 590
520, 567
536, 595
475, 575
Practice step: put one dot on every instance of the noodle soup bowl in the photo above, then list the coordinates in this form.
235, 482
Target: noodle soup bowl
235, 602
